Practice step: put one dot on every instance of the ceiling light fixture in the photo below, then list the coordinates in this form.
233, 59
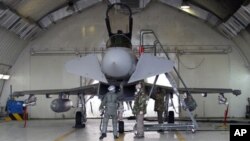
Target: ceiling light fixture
185, 5
5, 77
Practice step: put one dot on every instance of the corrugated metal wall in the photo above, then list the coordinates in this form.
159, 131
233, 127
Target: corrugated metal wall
10, 48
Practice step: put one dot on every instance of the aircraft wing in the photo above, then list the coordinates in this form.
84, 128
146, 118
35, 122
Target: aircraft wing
149, 65
87, 90
196, 90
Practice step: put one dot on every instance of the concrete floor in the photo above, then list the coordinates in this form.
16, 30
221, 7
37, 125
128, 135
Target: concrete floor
61, 130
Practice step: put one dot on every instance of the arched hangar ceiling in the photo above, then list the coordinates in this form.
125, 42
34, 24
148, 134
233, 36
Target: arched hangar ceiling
35, 15
221, 8
27, 18
36, 9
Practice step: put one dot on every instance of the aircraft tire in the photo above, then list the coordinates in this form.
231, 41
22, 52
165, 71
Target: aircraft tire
171, 117
78, 120
121, 126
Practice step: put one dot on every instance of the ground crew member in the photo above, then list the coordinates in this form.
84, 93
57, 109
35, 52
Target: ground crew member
110, 105
159, 104
139, 109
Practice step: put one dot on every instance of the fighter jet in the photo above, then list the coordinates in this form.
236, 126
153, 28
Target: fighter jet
119, 65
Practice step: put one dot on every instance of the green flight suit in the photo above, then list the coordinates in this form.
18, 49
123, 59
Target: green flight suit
159, 105
140, 103
139, 109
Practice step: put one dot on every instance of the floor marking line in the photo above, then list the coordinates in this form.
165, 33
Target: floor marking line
121, 137
62, 137
179, 136
18, 117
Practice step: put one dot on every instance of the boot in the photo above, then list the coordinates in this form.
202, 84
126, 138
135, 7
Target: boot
103, 136
160, 131
138, 136
116, 137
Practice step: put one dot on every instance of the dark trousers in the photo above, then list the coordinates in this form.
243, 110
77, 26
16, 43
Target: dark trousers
160, 117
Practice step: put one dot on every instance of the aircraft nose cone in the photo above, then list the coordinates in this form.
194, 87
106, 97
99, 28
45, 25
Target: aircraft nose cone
117, 62
114, 66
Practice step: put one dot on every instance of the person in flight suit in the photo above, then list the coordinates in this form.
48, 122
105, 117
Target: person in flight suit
159, 106
139, 109
109, 105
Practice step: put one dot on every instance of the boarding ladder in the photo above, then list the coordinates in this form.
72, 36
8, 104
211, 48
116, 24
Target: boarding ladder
172, 81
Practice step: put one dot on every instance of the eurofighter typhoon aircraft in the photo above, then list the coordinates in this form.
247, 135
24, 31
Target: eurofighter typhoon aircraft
119, 65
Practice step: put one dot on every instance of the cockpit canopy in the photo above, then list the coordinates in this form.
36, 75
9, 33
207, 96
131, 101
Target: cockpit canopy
119, 40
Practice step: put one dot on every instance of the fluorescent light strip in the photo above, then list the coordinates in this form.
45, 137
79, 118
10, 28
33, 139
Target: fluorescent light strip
185, 7
1, 76
5, 77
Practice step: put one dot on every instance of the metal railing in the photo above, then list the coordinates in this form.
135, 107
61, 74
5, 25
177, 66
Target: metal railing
171, 79
178, 49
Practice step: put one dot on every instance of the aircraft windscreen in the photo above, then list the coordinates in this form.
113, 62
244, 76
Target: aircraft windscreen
119, 40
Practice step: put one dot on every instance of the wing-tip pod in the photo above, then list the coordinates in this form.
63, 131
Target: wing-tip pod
149, 65
87, 66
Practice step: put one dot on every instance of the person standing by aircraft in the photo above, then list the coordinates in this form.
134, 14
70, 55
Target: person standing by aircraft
159, 106
109, 106
139, 109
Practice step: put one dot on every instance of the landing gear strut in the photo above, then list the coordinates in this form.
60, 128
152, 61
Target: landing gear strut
80, 118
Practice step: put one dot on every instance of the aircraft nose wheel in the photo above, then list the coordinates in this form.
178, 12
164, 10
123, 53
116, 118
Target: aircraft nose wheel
78, 120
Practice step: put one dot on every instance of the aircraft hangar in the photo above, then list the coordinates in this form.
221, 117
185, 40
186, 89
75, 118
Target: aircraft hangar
59, 59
